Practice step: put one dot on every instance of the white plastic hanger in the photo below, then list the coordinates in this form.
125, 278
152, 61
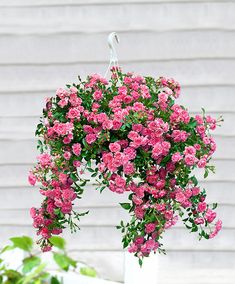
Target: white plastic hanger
113, 54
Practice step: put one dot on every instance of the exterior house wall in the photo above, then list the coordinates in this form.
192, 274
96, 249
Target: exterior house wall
46, 44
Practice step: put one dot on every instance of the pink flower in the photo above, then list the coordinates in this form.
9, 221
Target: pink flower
114, 147
176, 157
132, 135
139, 212
63, 178
130, 152
120, 182
69, 195
32, 178
46, 248
62, 103
107, 124
199, 221
88, 129
180, 197
91, 138
210, 215
66, 208
202, 163
45, 233
139, 240
67, 155
137, 200
190, 160
202, 206
190, 150
133, 248
33, 212
137, 127
77, 164
129, 168
77, 149
44, 159
157, 150
195, 191
74, 113
218, 225
122, 91
97, 95
150, 228
116, 124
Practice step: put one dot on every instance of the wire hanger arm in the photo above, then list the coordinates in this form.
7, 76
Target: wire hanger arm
113, 61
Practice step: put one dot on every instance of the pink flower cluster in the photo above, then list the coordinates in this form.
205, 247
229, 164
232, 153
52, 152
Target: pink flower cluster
140, 141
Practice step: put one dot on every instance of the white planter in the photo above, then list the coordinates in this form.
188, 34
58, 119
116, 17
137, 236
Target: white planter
148, 273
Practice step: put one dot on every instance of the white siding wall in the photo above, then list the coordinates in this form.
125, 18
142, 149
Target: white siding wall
45, 44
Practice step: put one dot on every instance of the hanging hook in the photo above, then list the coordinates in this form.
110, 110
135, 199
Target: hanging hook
113, 54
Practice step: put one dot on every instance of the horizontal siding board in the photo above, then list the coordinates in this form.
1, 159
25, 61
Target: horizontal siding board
37, 78
187, 45
30, 3
24, 151
196, 276
188, 15
16, 175
193, 98
105, 216
221, 192
193, 263
31, 197
109, 238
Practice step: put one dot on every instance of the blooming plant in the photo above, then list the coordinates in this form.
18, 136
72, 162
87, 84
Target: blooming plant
140, 141
33, 269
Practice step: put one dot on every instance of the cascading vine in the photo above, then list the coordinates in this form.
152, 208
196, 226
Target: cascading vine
132, 136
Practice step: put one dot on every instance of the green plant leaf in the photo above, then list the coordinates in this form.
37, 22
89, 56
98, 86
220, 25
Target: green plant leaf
34, 274
57, 242
30, 262
12, 275
63, 261
126, 206
6, 248
88, 271
54, 280
24, 242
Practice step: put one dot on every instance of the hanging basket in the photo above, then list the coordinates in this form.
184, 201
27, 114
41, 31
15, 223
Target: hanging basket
132, 136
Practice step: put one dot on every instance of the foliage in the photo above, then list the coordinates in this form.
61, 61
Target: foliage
131, 135
32, 269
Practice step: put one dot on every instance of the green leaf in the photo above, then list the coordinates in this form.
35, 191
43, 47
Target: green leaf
12, 275
30, 262
63, 261
57, 242
194, 180
24, 243
126, 206
6, 248
88, 271
214, 206
194, 229
206, 173
34, 274
54, 280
